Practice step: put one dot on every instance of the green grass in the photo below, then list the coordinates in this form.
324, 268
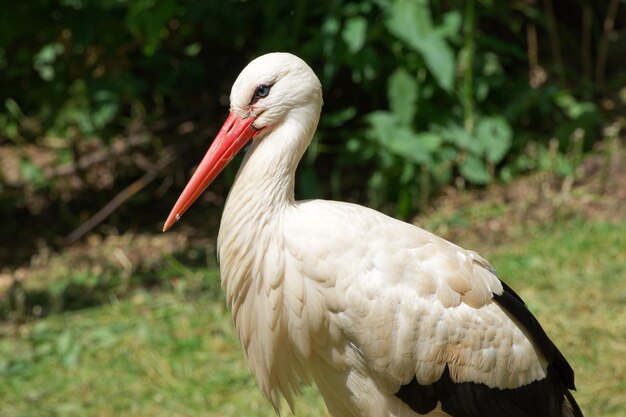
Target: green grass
573, 277
174, 353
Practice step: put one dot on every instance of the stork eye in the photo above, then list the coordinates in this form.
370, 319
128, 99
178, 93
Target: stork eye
262, 91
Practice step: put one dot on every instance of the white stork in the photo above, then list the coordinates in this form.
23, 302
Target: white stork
385, 318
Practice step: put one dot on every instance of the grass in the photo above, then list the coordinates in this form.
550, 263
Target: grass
163, 354
174, 352
574, 279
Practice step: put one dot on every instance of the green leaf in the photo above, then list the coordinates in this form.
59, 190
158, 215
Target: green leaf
354, 33
572, 107
13, 108
474, 170
457, 136
45, 58
405, 143
193, 49
381, 122
402, 94
49, 53
105, 108
411, 22
401, 140
440, 61
451, 24
495, 136
430, 141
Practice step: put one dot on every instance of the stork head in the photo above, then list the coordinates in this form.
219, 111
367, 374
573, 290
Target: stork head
263, 96
271, 86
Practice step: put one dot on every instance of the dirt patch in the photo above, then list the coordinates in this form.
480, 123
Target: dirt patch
501, 212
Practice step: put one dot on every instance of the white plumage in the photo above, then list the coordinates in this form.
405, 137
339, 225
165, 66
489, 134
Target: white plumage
385, 318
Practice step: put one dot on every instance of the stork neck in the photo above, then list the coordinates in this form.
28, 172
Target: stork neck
266, 177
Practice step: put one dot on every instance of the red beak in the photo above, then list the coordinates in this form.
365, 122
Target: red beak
233, 136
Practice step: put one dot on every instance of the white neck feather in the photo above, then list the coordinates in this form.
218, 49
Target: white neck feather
251, 250
263, 188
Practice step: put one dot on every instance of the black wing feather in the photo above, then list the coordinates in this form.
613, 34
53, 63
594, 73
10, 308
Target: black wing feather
513, 303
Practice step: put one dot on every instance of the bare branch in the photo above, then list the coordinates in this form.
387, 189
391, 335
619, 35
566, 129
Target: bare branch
120, 198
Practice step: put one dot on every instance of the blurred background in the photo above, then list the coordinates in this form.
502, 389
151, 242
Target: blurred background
486, 121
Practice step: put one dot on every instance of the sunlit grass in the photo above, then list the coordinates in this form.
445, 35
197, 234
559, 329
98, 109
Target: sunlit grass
153, 356
173, 353
573, 276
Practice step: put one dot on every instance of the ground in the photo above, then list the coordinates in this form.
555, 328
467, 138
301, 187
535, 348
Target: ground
131, 325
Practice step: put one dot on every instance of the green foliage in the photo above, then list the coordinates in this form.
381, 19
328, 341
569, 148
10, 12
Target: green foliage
413, 137
458, 105
418, 93
411, 22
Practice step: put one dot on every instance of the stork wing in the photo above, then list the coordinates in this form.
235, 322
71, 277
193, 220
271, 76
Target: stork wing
430, 321
548, 397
